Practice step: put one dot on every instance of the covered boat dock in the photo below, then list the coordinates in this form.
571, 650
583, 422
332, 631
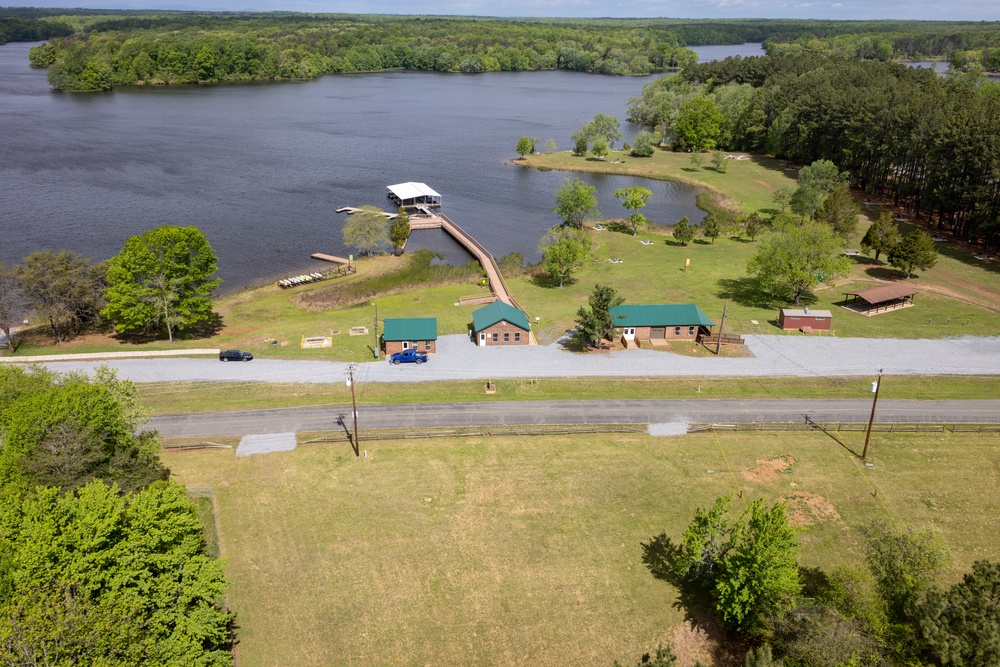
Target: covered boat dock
412, 195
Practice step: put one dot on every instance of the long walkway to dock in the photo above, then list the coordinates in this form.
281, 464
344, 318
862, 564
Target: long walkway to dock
485, 257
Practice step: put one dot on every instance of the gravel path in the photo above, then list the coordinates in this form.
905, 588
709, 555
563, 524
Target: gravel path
458, 359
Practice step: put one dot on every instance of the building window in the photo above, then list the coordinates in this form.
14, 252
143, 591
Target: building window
506, 336
427, 345
690, 331
517, 336
496, 337
677, 331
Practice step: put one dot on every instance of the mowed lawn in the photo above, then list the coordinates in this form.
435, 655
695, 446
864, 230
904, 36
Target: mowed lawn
523, 551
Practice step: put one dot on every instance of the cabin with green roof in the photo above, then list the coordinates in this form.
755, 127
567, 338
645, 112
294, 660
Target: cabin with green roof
658, 324
500, 323
410, 333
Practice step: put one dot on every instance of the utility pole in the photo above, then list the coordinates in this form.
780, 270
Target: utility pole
354, 406
376, 330
875, 387
718, 346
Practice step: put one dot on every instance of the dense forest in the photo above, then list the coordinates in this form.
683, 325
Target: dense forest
115, 48
929, 143
16, 29
206, 48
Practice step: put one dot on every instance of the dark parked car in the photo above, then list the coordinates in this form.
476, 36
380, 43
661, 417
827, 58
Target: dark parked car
408, 357
235, 355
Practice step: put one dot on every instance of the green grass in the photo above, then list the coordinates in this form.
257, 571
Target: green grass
521, 551
192, 397
747, 185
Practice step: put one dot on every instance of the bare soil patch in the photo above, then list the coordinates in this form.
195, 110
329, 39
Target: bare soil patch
767, 470
809, 509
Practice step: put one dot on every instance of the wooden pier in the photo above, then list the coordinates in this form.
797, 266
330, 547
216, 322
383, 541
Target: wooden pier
428, 219
330, 258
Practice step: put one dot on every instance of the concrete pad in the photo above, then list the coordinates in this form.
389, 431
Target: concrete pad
668, 428
266, 443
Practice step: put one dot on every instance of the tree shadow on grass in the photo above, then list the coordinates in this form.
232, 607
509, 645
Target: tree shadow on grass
694, 599
207, 329
746, 291
864, 260
548, 281
884, 273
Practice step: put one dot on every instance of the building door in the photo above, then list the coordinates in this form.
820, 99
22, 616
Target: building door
406, 345
658, 332
482, 339
629, 333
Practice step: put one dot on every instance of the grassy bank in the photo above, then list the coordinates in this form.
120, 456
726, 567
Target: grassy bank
959, 296
521, 551
193, 397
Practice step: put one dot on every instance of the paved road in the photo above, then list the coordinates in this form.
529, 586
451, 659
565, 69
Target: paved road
575, 412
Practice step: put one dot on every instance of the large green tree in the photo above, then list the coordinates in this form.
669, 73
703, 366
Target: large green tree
906, 562
66, 431
644, 144
162, 280
914, 251
711, 227
699, 124
634, 198
882, 236
683, 231
748, 563
526, 145
595, 323
399, 230
563, 250
840, 211
962, 626
62, 287
793, 258
98, 578
366, 230
575, 200
815, 183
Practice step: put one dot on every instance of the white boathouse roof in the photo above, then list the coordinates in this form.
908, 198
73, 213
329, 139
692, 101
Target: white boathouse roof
406, 191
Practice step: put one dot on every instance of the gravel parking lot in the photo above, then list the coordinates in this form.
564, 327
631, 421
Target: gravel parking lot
458, 359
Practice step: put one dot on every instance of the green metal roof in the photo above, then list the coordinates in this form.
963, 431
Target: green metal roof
659, 315
499, 311
410, 328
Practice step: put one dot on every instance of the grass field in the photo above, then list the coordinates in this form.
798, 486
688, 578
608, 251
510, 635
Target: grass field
525, 551
190, 397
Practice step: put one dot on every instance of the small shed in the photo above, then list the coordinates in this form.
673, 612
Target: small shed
500, 324
410, 195
658, 324
883, 298
410, 333
804, 319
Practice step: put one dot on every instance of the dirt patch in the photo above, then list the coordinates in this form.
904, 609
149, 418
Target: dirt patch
808, 509
767, 470
693, 645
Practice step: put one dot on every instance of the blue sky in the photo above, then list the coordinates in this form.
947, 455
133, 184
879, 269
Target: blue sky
975, 10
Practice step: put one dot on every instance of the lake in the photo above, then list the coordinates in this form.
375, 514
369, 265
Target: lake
262, 168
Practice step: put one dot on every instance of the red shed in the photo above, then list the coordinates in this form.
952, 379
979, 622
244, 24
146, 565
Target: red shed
804, 319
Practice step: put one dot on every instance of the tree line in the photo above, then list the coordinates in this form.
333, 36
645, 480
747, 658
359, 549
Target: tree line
16, 29
102, 559
891, 609
161, 283
923, 141
207, 48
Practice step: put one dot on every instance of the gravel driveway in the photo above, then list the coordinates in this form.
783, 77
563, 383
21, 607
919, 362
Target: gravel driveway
459, 359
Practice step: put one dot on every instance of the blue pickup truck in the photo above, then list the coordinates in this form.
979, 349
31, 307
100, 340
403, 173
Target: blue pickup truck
408, 357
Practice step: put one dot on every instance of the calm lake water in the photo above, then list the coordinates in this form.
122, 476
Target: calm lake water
261, 169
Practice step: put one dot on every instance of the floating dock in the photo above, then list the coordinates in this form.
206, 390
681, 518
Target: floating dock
330, 258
